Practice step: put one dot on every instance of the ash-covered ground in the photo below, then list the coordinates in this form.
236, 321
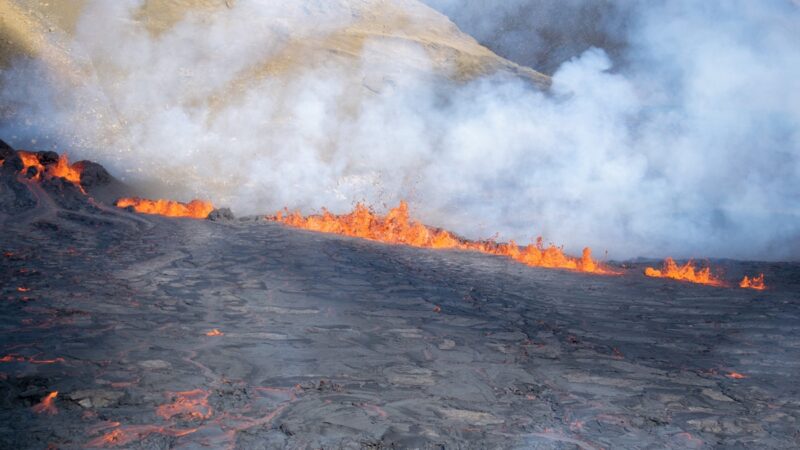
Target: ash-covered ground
178, 333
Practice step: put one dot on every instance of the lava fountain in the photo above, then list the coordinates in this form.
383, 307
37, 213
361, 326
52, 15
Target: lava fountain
196, 209
396, 227
687, 272
756, 283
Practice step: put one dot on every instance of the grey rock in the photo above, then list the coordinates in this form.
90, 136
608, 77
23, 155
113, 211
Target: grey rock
221, 214
96, 398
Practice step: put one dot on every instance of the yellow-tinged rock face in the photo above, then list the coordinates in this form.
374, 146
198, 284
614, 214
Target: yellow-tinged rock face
45, 28
189, 74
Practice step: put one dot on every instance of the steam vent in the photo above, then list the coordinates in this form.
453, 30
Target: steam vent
399, 224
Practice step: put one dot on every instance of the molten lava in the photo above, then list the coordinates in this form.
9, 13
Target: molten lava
31, 160
687, 272
134, 433
61, 168
397, 228
191, 405
29, 359
196, 209
215, 332
47, 405
756, 283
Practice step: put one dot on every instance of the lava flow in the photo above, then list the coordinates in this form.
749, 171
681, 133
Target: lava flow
196, 209
397, 228
192, 405
687, 272
47, 405
756, 283
135, 433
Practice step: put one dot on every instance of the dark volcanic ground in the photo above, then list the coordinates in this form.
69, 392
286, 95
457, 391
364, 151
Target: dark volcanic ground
331, 342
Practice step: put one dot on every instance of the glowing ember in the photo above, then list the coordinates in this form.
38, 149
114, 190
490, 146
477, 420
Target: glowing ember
47, 405
397, 228
196, 209
687, 272
24, 289
189, 404
736, 376
756, 283
215, 332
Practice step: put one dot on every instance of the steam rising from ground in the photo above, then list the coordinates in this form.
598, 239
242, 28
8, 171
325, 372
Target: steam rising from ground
691, 149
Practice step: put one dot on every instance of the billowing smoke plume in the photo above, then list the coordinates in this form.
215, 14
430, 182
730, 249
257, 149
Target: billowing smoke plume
689, 148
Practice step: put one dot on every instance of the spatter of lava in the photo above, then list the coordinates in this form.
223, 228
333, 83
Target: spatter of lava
756, 283
38, 166
397, 228
687, 272
196, 209
690, 273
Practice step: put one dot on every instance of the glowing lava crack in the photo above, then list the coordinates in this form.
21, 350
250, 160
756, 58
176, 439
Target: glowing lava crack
687, 272
196, 209
397, 228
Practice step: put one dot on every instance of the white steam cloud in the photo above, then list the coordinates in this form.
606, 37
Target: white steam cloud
691, 149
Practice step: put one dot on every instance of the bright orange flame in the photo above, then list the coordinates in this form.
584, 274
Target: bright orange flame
47, 405
756, 283
64, 170
397, 228
196, 209
31, 160
215, 332
61, 168
736, 376
687, 272
191, 404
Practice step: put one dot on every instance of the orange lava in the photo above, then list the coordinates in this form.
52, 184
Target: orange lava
189, 404
64, 170
196, 209
397, 228
215, 332
134, 433
24, 289
29, 359
47, 405
687, 272
31, 160
736, 376
61, 168
756, 283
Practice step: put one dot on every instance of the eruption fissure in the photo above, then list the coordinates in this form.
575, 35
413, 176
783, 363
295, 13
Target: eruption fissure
396, 227
755, 283
196, 209
687, 272
317, 102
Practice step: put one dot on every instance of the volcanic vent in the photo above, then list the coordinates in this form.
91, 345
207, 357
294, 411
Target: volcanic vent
134, 313
124, 329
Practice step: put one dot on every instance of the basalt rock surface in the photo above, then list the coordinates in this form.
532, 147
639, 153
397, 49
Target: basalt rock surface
161, 333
